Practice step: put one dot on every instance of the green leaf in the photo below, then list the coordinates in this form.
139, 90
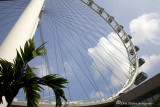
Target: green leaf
19, 74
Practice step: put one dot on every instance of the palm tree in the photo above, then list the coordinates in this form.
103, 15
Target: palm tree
17, 75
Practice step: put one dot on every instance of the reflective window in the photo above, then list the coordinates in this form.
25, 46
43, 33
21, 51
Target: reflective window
143, 101
156, 96
150, 100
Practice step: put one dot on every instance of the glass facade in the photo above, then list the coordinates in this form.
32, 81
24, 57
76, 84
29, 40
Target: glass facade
148, 99
146, 94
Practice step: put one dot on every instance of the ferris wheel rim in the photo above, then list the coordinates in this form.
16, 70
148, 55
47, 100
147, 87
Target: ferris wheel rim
130, 81
133, 59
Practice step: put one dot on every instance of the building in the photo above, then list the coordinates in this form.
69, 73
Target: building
142, 95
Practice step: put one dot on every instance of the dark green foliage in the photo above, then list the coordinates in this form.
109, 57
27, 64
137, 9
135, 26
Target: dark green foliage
17, 75
155, 103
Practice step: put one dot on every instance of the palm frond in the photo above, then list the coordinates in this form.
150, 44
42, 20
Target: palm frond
19, 74
56, 84
28, 49
1, 92
29, 71
31, 88
32, 95
6, 71
29, 52
40, 51
5, 66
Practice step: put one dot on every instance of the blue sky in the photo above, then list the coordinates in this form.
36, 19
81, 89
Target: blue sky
140, 19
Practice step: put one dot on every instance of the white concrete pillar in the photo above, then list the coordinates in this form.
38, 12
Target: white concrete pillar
23, 30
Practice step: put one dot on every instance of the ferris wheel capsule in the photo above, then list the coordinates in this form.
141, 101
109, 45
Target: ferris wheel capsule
90, 2
81, 44
131, 51
126, 38
140, 78
141, 61
110, 19
119, 28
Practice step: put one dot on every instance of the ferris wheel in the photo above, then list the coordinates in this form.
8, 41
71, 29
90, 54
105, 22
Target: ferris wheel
86, 46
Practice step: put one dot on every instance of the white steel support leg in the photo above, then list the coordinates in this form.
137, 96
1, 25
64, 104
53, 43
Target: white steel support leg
23, 30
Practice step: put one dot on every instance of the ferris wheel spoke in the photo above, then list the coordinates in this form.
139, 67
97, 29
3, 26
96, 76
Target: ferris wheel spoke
94, 85
85, 45
100, 32
85, 19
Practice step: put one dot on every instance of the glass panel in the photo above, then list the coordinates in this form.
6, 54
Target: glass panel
143, 101
150, 100
156, 96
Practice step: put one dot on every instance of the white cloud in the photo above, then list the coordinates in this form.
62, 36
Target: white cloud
42, 70
106, 55
151, 62
95, 95
146, 28
68, 69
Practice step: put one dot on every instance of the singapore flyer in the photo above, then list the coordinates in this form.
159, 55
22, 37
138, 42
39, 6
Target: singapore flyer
98, 47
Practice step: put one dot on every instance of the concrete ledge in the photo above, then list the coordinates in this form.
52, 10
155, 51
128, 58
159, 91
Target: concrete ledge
95, 104
142, 90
